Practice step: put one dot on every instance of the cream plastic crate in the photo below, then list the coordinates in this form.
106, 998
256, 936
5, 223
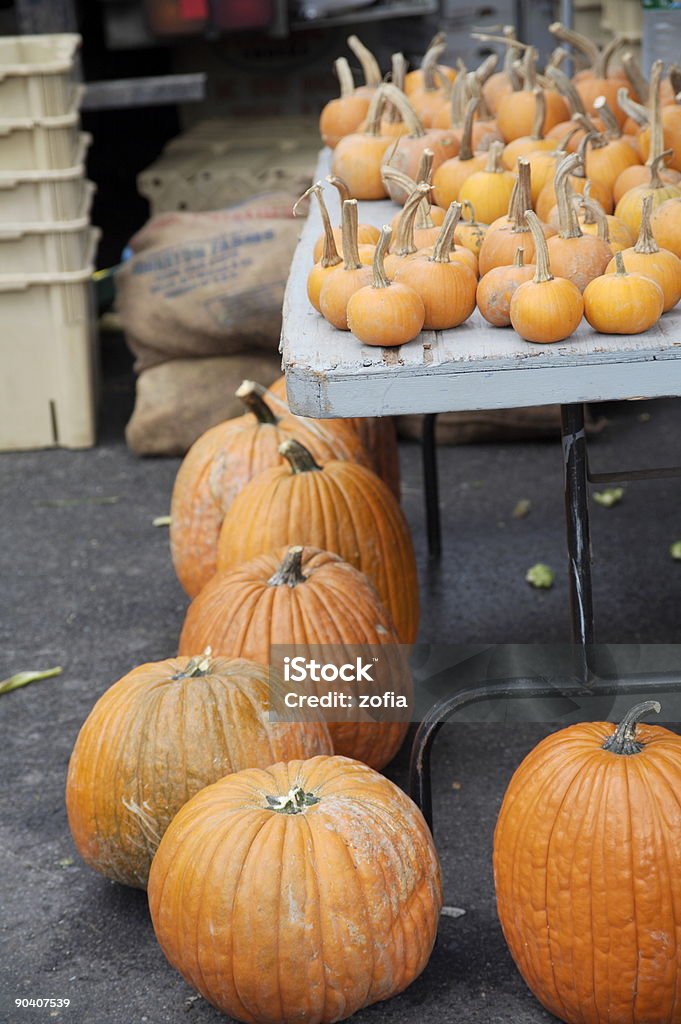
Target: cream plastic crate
27, 196
47, 246
36, 74
40, 143
48, 365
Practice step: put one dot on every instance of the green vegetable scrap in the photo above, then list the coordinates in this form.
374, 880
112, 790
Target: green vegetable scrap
609, 497
675, 550
24, 678
541, 576
522, 508
161, 521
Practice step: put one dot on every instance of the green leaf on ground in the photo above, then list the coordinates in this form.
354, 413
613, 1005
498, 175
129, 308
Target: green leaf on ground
24, 678
541, 576
675, 550
522, 508
609, 497
161, 521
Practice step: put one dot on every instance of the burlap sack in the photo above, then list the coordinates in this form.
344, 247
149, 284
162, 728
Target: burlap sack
491, 425
179, 400
205, 285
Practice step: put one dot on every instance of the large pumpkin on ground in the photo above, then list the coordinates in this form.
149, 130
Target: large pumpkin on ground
378, 435
302, 892
303, 597
158, 736
224, 459
340, 507
587, 865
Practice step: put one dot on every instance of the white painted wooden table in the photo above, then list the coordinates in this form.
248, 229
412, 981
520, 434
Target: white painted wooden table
476, 366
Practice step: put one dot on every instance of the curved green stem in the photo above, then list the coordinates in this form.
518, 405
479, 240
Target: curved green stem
623, 741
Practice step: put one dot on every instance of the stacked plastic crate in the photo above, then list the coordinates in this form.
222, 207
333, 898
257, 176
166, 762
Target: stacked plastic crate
47, 249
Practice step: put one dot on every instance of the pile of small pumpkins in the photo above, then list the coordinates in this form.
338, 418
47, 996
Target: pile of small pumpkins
280, 864
536, 198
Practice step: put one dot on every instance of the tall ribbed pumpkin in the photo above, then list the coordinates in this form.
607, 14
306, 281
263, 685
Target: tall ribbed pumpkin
587, 865
340, 507
158, 736
302, 892
223, 460
377, 434
303, 597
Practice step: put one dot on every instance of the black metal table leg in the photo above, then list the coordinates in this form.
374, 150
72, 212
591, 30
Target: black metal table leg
577, 527
431, 488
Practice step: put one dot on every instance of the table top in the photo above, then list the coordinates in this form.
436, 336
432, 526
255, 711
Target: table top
475, 366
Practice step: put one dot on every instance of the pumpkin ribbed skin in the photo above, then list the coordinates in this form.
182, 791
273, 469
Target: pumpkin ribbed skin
242, 612
304, 916
343, 508
221, 463
587, 862
377, 434
158, 736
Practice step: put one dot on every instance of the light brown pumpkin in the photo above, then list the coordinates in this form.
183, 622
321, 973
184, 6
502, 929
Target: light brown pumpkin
575, 256
342, 116
622, 303
385, 313
343, 281
646, 257
495, 290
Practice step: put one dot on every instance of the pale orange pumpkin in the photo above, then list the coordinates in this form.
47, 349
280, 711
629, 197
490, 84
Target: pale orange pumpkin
275, 599
594, 221
516, 112
405, 153
414, 79
357, 157
666, 225
338, 285
646, 257
429, 98
547, 308
450, 175
428, 218
629, 208
663, 121
159, 735
342, 116
501, 83
596, 80
470, 232
622, 303
385, 313
300, 893
495, 290
446, 287
367, 234
303, 502
489, 190
535, 141
574, 255
329, 258
502, 240
607, 154
222, 461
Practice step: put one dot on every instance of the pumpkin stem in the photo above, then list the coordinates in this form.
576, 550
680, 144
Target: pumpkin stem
569, 225
566, 90
298, 457
251, 395
470, 210
519, 258
655, 114
494, 165
195, 667
458, 100
407, 112
539, 114
466, 148
380, 278
623, 740
638, 80
595, 214
340, 185
605, 56
349, 234
632, 109
330, 257
646, 243
375, 113
655, 168
294, 802
443, 245
621, 270
487, 68
345, 79
404, 242
429, 64
541, 258
398, 64
556, 58
370, 69
529, 69
576, 40
611, 128
523, 197
289, 573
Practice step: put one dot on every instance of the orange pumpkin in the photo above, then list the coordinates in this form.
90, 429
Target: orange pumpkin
385, 313
158, 736
450, 175
622, 303
666, 225
596, 80
340, 507
221, 463
501, 242
341, 282
646, 257
405, 244
329, 258
575, 256
357, 157
535, 141
342, 116
369, 65
589, 837
516, 112
470, 232
405, 153
497, 287
282, 895
377, 435
276, 599
367, 234
489, 189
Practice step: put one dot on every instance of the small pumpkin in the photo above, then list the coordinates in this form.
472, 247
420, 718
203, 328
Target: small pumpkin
450, 175
547, 308
405, 155
305, 502
622, 303
392, 123
329, 258
535, 141
489, 190
629, 208
589, 836
357, 157
666, 225
607, 154
596, 80
495, 290
405, 244
470, 232
282, 894
367, 234
276, 599
502, 241
646, 257
543, 163
414, 79
665, 122
370, 67
343, 281
385, 313
575, 256
400, 186
221, 463
429, 98
516, 112
594, 221
446, 287
501, 83
548, 197
342, 116
158, 736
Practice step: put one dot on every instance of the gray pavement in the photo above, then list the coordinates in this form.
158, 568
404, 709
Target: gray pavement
87, 584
